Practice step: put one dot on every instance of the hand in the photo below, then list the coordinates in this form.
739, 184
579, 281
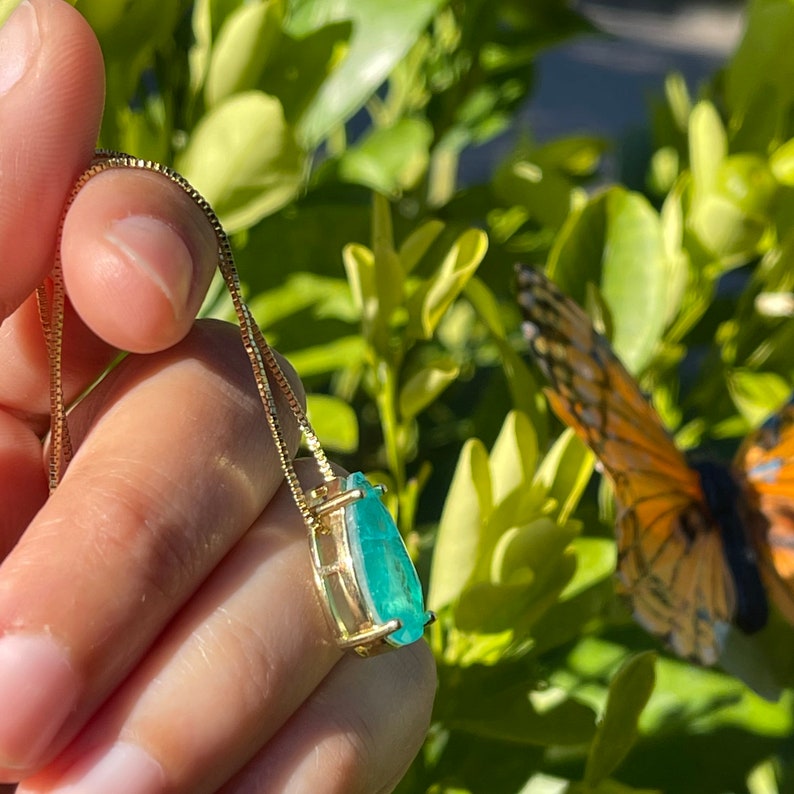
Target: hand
159, 627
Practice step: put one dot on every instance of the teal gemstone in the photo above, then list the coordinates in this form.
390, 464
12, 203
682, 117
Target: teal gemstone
387, 577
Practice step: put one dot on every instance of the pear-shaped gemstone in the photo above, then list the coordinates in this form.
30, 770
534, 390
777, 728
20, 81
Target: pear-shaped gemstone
387, 577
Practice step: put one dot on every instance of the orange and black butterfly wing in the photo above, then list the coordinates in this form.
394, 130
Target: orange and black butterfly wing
670, 556
765, 467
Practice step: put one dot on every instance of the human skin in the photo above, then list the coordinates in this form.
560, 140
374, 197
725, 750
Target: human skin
159, 626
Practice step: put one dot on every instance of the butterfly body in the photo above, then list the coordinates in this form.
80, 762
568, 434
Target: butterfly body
694, 548
724, 500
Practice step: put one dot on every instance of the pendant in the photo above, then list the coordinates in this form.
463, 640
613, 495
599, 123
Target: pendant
373, 596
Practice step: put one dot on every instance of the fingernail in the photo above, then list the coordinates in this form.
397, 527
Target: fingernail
38, 691
122, 769
19, 40
158, 251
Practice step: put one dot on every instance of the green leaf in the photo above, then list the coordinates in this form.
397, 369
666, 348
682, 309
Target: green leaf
308, 236
492, 608
678, 99
418, 243
664, 169
466, 507
328, 297
383, 32
424, 386
360, 268
578, 155
596, 560
781, 161
298, 68
514, 456
760, 76
201, 48
389, 160
529, 568
487, 306
207, 20
243, 47
628, 694
731, 217
708, 145
242, 157
334, 421
757, 395
616, 242
672, 220
565, 472
522, 551
329, 357
709, 701
142, 130
459, 265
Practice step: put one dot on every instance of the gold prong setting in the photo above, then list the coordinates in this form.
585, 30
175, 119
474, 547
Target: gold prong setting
372, 595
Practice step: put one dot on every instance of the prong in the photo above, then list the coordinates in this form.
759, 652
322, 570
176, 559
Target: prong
371, 636
331, 569
338, 502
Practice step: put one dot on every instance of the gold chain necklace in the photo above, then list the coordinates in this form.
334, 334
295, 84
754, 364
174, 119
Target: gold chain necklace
370, 588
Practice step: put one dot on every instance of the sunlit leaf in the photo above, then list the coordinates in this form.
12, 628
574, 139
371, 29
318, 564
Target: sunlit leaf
242, 157
467, 505
417, 244
243, 47
757, 394
383, 32
345, 351
523, 550
708, 145
514, 456
458, 266
565, 471
389, 160
616, 242
781, 162
596, 559
334, 421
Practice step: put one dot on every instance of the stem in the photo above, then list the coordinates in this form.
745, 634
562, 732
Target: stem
337, 141
390, 426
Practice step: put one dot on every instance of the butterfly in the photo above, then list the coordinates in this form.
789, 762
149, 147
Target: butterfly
700, 545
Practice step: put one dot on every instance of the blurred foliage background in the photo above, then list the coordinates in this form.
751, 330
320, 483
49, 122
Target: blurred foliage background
327, 136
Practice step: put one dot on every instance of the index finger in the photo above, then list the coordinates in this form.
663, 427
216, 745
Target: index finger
51, 94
